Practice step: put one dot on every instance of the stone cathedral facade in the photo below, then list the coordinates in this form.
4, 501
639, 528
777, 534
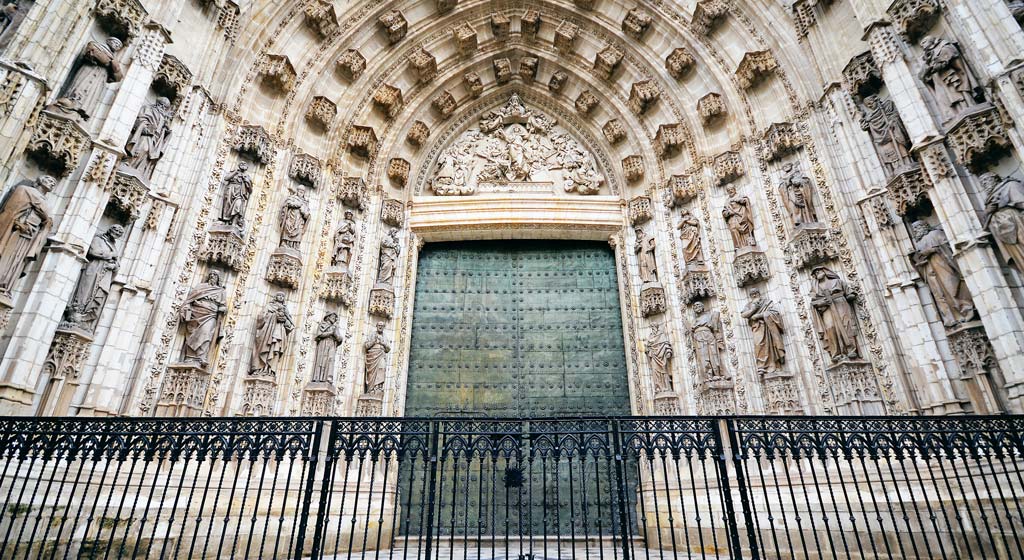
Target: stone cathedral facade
218, 207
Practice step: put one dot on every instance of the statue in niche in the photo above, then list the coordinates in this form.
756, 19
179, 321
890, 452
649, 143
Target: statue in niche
766, 323
237, 190
934, 261
740, 219
659, 353
689, 234
102, 263
376, 350
708, 344
946, 72
881, 120
390, 249
201, 313
293, 219
645, 256
69, 106
272, 329
149, 138
25, 221
344, 241
1004, 215
834, 316
797, 195
97, 66
12, 14
328, 337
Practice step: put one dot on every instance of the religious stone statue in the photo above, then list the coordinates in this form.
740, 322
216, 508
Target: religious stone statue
659, 353
328, 337
796, 190
69, 106
97, 66
390, 249
946, 72
293, 219
149, 137
708, 344
272, 329
766, 323
646, 261
95, 279
12, 13
934, 260
881, 120
237, 189
201, 314
1004, 215
24, 225
376, 349
689, 234
740, 220
835, 320
344, 241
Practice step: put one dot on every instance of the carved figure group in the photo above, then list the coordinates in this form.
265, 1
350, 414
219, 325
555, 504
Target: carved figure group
201, 314
645, 250
766, 323
1004, 215
25, 222
237, 190
740, 219
835, 320
390, 249
660, 353
946, 72
881, 120
708, 344
376, 350
97, 66
934, 260
344, 241
797, 195
272, 329
689, 234
293, 219
328, 337
149, 138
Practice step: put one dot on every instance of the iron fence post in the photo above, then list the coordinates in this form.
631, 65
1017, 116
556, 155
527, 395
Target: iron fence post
620, 489
727, 426
433, 435
307, 499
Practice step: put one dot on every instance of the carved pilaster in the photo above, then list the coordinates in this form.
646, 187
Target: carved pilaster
254, 142
978, 138
183, 391
306, 169
57, 144
750, 266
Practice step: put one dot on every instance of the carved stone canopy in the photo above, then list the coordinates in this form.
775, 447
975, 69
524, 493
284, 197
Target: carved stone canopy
362, 141
322, 112
640, 210
707, 15
613, 131
558, 80
278, 73
679, 62
565, 36
254, 142
398, 171
684, 188
424, 63
465, 38
633, 168
978, 138
861, 76
352, 192
500, 25
728, 167
388, 99
710, 108
351, 65
529, 24
306, 169
394, 24
418, 133
528, 66
755, 67
636, 23
57, 143
643, 96
607, 60
669, 140
502, 70
121, 18
473, 83
586, 102
392, 212
781, 139
914, 17
321, 18
172, 79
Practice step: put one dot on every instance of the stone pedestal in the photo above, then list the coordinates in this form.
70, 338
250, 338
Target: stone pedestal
258, 396
854, 388
369, 405
318, 399
781, 394
224, 245
716, 399
652, 299
978, 364
183, 392
666, 403
696, 284
338, 286
750, 266
285, 268
64, 362
382, 301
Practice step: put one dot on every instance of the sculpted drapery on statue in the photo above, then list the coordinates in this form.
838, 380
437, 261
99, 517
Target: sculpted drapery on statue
376, 350
708, 344
660, 353
344, 241
689, 234
97, 66
201, 314
272, 329
293, 219
328, 337
102, 263
25, 222
946, 72
390, 249
934, 260
766, 323
1004, 215
645, 250
739, 218
797, 195
12, 13
881, 120
834, 316
237, 190
149, 137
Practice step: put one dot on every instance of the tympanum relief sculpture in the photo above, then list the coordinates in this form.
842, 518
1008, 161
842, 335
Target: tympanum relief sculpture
376, 349
881, 120
797, 195
273, 326
97, 66
1004, 216
946, 72
834, 317
766, 324
515, 149
708, 345
659, 354
934, 260
201, 315
329, 335
689, 234
25, 222
102, 263
237, 190
149, 137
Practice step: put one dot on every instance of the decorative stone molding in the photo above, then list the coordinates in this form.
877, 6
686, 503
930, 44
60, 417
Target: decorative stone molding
362, 141
640, 210
907, 190
854, 388
565, 36
914, 17
183, 391
558, 80
121, 18
679, 62
643, 96
277, 73
652, 300
388, 99
755, 67
607, 60
696, 284
321, 18
318, 398
636, 23
669, 139
172, 79
500, 26
708, 15
398, 171
811, 245
224, 246
418, 133
392, 212
445, 6
978, 138
306, 169
613, 131
337, 287
861, 76
528, 68
465, 38
586, 102
382, 302
351, 65
728, 167
529, 24
128, 193
710, 108
322, 112
258, 396
473, 84
750, 266
444, 104
424, 63
253, 142
57, 143
285, 268
394, 24
67, 355
633, 168
683, 188
352, 192
502, 70
781, 139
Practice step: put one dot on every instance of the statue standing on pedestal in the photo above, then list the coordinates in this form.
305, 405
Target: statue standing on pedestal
881, 120
25, 221
149, 137
708, 344
947, 74
1004, 216
797, 195
934, 260
645, 256
272, 329
766, 323
740, 220
834, 318
293, 219
344, 241
237, 190
390, 249
660, 353
97, 66
102, 263
201, 313
328, 337
689, 234
376, 350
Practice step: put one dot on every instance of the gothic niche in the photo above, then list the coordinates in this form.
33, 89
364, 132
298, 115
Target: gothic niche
225, 244
515, 149
809, 242
382, 296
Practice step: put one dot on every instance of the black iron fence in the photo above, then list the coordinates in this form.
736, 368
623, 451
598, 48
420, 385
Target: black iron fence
447, 489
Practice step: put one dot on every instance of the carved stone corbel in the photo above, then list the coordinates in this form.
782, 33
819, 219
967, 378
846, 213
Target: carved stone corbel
714, 401
418, 133
755, 67
781, 395
258, 396
254, 142
613, 131
57, 143
914, 17
63, 364
529, 24
322, 112
558, 80
854, 388
586, 102
183, 391
528, 66
811, 245
398, 171
351, 65
284, 268
708, 15
607, 60
500, 26
473, 84
861, 76
306, 169
352, 192
710, 108
652, 299
444, 104
278, 73
728, 167
318, 399
643, 96
128, 193
172, 79
224, 246
684, 188
907, 190
502, 70
636, 23
679, 62
362, 141
696, 284
978, 362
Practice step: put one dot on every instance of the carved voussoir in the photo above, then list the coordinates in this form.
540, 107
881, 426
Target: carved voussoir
57, 143
643, 96
558, 80
502, 70
444, 104
473, 84
528, 66
306, 169
254, 142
